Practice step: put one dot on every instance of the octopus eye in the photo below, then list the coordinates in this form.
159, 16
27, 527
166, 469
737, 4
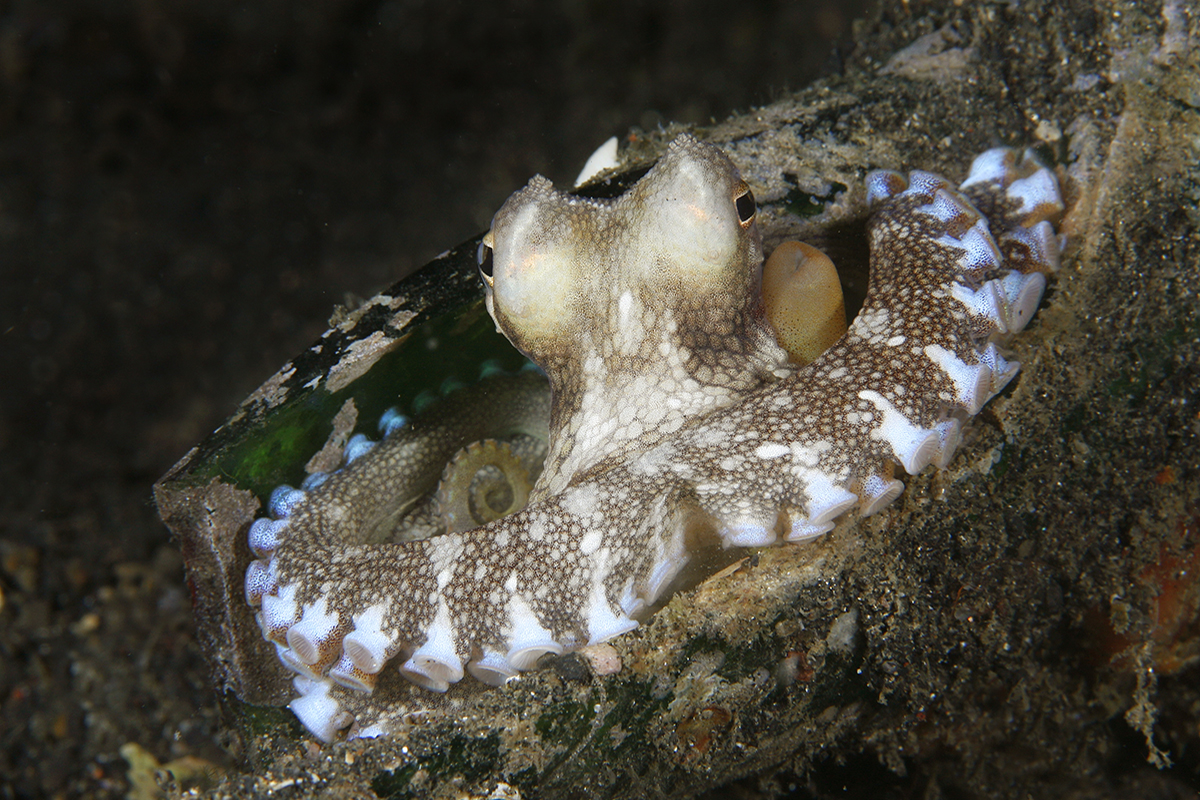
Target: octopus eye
484, 257
745, 207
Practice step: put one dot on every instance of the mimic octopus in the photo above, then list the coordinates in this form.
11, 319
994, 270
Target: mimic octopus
676, 420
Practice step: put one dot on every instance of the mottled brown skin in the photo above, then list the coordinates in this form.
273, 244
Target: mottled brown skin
643, 311
750, 455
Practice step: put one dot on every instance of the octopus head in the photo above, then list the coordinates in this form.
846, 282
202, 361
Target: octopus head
564, 272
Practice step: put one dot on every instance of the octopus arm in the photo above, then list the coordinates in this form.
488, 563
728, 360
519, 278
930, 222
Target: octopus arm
921, 357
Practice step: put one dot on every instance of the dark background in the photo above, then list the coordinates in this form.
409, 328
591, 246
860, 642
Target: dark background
186, 191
